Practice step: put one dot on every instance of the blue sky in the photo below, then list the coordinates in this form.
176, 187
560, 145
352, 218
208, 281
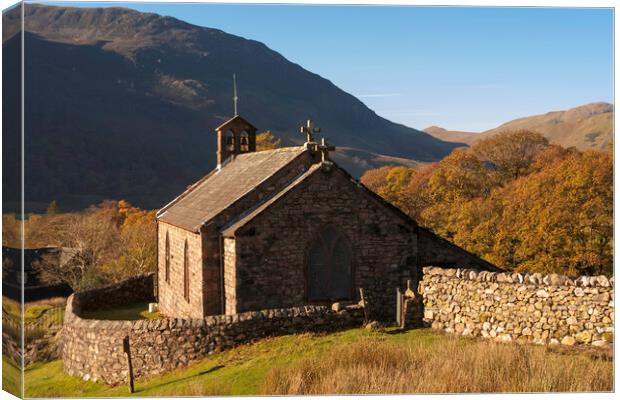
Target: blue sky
462, 68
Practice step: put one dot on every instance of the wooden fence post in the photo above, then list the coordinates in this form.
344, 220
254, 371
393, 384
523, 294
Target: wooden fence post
399, 308
363, 301
129, 366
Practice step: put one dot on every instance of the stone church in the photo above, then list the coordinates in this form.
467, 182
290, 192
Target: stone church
287, 227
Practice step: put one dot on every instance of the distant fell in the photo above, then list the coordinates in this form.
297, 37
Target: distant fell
589, 126
451, 136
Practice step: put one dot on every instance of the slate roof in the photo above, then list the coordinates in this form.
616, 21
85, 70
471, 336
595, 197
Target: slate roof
221, 188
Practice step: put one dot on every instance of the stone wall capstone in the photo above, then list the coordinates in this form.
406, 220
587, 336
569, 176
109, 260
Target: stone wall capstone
93, 349
532, 308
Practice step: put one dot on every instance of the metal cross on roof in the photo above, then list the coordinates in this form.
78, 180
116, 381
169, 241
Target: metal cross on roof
309, 130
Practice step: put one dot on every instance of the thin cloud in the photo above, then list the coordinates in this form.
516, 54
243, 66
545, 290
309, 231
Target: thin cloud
362, 96
417, 113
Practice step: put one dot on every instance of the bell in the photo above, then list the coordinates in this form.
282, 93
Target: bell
244, 141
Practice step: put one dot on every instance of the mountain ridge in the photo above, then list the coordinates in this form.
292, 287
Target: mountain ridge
150, 89
588, 126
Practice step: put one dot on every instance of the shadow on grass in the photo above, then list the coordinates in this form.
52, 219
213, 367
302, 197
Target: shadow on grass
396, 330
129, 312
208, 371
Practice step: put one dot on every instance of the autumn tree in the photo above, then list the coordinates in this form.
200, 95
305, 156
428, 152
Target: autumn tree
511, 152
565, 216
92, 240
548, 209
267, 141
375, 179
11, 231
138, 254
106, 243
53, 208
428, 192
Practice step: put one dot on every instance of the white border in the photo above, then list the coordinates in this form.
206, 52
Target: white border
481, 3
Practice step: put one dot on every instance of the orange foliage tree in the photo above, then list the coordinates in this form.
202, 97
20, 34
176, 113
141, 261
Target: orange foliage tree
267, 141
107, 243
516, 201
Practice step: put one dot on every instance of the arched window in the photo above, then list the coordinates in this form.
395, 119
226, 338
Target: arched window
244, 141
230, 140
167, 261
186, 271
329, 267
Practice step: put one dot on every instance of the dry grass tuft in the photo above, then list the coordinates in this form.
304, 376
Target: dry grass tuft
451, 366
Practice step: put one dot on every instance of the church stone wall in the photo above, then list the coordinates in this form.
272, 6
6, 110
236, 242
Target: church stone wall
170, 294
93, 349
523, 308
272, 248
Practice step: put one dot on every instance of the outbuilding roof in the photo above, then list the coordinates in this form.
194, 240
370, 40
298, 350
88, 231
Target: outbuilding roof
221, 188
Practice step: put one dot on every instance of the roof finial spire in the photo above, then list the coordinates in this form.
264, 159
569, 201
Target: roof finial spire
235, 98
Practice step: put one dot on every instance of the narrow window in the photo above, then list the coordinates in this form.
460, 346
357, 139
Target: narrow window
230, 140
244, 141
167, 261
329, 267
186, 272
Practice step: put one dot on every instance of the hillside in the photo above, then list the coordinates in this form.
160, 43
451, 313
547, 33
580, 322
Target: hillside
585, 127
451, 136
122, 104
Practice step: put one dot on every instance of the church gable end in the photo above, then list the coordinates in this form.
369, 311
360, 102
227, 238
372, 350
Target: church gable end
324, 221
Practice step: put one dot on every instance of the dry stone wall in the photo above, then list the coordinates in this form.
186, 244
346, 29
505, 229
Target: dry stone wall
533, 308
93, 349
505, 307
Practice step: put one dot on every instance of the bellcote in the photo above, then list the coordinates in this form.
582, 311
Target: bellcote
235, 136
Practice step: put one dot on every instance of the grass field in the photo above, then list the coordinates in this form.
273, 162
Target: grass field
32, 310
11, 377
356, 361
40, 317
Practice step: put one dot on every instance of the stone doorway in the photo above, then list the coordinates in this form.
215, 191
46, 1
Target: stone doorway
329, 267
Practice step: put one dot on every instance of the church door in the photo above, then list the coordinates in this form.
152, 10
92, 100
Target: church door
329, 267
